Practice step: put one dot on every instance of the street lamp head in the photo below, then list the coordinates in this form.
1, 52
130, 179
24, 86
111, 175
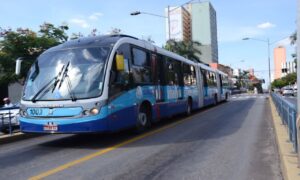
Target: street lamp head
135, 13
246, 38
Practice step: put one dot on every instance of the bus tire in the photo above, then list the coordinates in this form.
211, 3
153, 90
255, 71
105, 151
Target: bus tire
215, 99
189, 107
143, 119
226, 96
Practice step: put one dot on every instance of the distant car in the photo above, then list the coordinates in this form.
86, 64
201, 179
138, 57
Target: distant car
277, 90
9, 117
288, 91
295, 90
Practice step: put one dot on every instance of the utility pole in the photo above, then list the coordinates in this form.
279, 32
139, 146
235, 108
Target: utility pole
298, 79
169, 23
269, 63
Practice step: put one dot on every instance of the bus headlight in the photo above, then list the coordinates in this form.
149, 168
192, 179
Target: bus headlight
23, 113
94, 111
86, 112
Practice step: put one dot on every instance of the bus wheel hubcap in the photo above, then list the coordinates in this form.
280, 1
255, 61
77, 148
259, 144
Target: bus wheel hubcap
143, 119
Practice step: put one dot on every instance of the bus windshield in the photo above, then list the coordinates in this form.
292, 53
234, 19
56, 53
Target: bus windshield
65, 74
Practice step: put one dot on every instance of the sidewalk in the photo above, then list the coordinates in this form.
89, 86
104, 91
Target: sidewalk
288, 158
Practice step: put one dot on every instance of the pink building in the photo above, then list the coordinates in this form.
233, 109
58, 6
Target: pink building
279, 59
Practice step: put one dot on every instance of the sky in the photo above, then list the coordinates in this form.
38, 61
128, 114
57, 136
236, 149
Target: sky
236, 19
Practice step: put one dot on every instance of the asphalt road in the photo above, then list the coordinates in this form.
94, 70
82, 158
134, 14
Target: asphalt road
232, 141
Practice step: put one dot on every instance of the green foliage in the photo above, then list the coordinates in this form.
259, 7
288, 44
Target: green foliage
186, 49
27, 44
293, 39
289, 79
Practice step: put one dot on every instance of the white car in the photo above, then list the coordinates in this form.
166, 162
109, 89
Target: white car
288, 91
9, 118
295, 90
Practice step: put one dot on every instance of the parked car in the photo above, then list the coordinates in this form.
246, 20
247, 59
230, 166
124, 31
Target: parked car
287, 91
295, 90
9, 118
277, 90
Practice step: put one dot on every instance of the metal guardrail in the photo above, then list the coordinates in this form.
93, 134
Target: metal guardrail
288, 113
7, 115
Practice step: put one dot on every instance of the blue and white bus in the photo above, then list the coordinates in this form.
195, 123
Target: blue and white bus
113, 82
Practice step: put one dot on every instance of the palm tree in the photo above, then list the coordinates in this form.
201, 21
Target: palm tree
293, 38
186, 49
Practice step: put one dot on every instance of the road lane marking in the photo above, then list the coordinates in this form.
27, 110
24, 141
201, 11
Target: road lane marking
106, 150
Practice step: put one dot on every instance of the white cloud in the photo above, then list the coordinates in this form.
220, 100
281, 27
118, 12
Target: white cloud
95, 16
265, 25
80, 22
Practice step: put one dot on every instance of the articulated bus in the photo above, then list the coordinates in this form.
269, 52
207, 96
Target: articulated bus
113, 82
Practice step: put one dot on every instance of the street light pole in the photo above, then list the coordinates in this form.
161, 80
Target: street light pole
269, 58
135, 13
169, 23
298, 80
167, 17
269, 63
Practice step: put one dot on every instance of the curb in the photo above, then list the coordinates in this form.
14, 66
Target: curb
288, 158
5, 139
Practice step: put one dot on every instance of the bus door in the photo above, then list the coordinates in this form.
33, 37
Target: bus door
156, 74
120, 98
220, 86
200, 88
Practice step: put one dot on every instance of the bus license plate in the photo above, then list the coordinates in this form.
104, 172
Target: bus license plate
50, 127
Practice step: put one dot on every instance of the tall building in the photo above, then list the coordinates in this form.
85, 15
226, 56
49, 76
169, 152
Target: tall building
288, 67
279, 60
204, 30
180, 24
196, 22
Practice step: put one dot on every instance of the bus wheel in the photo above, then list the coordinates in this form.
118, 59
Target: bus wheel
215, 100
226, 96
143, 120
189, 108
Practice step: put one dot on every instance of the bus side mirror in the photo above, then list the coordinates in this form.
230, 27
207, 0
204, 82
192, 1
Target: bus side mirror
120, 62
18, 66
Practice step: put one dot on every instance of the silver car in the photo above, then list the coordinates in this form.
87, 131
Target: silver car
288, 91
9, 118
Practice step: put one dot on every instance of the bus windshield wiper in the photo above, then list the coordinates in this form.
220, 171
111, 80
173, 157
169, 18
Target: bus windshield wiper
69, 85
48, 85
36, 72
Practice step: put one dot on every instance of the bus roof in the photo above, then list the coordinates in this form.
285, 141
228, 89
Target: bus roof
104, 40
109, 40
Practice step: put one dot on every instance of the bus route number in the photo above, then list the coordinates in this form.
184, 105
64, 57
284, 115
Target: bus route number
36, 112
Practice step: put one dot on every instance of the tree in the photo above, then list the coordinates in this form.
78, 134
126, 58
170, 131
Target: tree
184, 48
115, 31
76, 35
289, 79
293, 39
58, 34
27, 44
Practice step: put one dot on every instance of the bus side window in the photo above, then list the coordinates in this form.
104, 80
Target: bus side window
141, 66
120, 80
221, 80
204, 75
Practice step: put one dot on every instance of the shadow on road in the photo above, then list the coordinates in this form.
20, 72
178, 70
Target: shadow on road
209, 122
